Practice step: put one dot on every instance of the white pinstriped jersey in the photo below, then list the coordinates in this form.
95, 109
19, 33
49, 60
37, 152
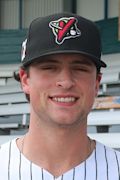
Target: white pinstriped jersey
102, 164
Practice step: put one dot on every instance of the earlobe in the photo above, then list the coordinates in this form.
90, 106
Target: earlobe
24, 80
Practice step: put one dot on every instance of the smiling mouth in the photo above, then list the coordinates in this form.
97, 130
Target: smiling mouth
64, 99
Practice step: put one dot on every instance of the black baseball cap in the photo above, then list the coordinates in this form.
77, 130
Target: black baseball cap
62, 33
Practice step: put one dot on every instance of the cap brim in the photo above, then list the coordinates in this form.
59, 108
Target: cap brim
98, 62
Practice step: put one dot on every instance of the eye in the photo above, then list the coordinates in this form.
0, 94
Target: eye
48, 67
84, 69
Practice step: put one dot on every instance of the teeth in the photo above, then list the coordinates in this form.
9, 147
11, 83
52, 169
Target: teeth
62, 99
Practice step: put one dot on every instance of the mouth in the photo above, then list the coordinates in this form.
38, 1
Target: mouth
68, 100
64, 99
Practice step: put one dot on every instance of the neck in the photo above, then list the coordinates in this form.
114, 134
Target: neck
58, 139
57, 151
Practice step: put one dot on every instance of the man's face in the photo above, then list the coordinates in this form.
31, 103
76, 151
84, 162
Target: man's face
62, 88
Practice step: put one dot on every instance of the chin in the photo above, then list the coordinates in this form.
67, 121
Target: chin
65, 121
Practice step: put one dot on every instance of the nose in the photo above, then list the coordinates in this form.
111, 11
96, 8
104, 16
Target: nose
65, 79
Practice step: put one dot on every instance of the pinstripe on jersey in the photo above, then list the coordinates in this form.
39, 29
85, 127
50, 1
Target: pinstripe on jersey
102, 164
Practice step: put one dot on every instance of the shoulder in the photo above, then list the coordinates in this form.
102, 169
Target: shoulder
7, 153
105, 161
5, 147
7, 150
4, 159
109, 154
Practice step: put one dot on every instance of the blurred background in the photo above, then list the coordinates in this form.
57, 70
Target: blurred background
15, 17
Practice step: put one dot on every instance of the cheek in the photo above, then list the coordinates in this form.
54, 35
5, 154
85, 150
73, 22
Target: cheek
39, 89
89, 95
90, 88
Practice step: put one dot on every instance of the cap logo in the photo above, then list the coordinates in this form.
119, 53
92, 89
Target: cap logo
23, 51
64, 28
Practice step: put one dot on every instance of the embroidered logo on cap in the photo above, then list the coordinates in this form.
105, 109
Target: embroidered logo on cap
64, 28
23, 51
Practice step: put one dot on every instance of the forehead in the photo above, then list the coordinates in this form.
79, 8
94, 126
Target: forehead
65, 58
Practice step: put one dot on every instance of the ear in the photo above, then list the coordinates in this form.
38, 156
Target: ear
98, 80
24, 79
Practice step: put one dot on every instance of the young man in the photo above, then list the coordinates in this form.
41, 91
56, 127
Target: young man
60, 75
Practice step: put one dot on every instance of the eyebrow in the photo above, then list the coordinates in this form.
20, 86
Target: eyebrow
55, 61
83, 62
44, 60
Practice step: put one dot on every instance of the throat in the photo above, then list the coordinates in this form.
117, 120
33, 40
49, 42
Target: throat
58, 163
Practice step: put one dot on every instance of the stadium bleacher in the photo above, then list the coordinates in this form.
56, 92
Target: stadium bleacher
10, 45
